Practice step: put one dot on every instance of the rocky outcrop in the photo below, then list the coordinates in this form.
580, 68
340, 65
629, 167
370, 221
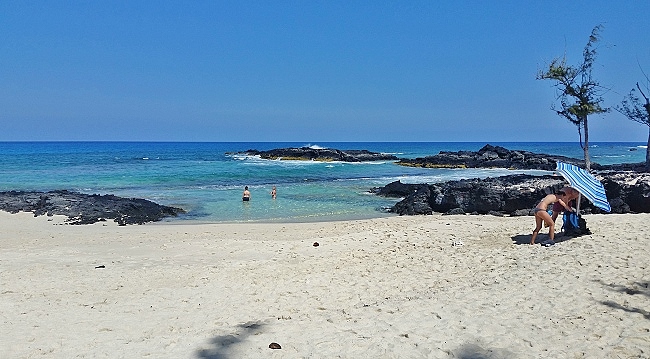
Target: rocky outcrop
492, 157
86, 209
487, 157
627, 191
320, 154
513, 195
626, 185
505, 194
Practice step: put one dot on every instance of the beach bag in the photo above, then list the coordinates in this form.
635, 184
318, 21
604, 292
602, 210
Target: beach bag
574, 225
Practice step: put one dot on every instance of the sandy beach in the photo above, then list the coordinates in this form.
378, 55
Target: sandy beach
399, 287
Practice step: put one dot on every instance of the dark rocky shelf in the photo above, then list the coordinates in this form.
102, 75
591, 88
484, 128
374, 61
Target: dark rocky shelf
514, 195
487, 157
493, 157
627, 185
320, 154
86, 209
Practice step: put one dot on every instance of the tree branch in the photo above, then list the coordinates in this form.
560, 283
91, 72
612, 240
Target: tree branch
642, 94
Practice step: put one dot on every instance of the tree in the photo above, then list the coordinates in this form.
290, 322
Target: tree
579, 94
635, 110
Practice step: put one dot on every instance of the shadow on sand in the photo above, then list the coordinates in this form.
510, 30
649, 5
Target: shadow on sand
222, 344
525, 238
637, 288
521, 239
475, 351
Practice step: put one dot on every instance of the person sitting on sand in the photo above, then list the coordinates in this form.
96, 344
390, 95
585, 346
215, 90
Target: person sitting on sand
542, 216
571, 195
247, 195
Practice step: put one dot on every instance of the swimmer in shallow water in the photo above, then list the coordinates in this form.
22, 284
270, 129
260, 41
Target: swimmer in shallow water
246, 196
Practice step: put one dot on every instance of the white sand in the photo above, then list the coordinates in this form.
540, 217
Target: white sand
384, 288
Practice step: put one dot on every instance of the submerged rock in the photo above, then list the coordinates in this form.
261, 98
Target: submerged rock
86, 209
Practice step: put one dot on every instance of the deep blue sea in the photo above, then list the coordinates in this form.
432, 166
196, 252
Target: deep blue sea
207, 180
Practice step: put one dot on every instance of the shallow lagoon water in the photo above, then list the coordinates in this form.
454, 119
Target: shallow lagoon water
207, 179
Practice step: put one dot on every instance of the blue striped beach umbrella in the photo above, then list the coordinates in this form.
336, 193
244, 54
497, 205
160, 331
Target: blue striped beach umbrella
588, 185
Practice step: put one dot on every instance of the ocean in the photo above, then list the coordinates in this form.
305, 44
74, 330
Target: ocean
207, 179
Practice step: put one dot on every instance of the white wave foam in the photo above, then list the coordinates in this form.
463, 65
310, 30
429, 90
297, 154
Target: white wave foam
242, 157
315, 147
642, 146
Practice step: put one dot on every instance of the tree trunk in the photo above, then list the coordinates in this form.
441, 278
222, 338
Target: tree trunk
647, 121
647, 152
586, 148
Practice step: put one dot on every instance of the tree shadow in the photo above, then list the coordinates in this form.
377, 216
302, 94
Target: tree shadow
474, 351
615, 305
637, 288
221, 344
642, 288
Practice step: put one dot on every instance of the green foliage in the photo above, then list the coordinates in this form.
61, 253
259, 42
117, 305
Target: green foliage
634, 109
579, 95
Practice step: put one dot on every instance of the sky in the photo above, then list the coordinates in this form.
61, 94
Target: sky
310, 71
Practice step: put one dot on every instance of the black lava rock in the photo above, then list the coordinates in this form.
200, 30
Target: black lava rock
86, 209
320, 154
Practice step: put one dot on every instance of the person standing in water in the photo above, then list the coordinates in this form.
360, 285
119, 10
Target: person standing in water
246, 196
274, 192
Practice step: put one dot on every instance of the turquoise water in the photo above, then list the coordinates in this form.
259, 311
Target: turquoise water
207, 181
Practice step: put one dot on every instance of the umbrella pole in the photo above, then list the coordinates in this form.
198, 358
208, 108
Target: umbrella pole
578, 204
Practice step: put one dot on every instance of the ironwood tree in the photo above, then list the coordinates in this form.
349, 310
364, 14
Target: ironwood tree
579, 95
639, 111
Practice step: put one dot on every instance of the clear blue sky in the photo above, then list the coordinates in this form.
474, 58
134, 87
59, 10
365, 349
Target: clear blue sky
308, 70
